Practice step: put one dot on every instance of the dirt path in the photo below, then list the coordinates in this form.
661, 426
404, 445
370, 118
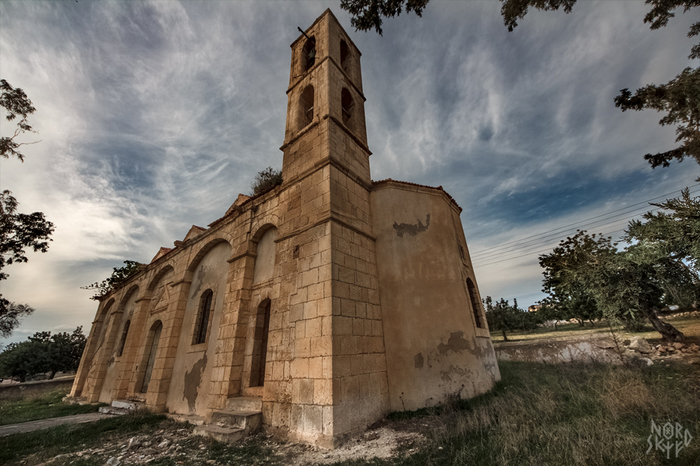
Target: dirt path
52, 422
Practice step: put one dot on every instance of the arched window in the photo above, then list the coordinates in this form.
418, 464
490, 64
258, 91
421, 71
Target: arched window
308, 54
306, 107
344, 56
262, 327
474, 298
125, 332
202, 323
347, 107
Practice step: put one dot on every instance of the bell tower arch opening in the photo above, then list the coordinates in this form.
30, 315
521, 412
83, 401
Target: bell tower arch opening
308, 54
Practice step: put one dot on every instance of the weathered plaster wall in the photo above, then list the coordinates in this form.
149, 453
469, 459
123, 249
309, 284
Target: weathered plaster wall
191, 377
432, 346
111, 379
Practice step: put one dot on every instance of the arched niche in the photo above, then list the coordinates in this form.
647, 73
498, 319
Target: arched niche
149, 356
266, 251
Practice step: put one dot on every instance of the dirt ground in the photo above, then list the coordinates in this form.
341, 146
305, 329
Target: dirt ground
177, 442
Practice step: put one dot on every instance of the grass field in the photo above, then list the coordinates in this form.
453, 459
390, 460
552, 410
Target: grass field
569, 414
42, 406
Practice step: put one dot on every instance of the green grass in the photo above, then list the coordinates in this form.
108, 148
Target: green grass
574, 414
43, 406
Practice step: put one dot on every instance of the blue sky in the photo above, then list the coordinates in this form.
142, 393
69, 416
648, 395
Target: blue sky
153, 116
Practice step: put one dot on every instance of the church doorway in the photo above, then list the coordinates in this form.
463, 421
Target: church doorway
262, 327
155, 337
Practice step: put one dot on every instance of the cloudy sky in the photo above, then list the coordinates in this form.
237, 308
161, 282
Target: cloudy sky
153, 116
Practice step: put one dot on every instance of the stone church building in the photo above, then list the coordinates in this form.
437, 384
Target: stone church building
318, 306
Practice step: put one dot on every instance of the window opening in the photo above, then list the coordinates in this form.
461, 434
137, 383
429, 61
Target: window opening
262, 327
344, 55
125, 332
155, 332
200, 331
347, 105
309, 53
306, 107
475, 302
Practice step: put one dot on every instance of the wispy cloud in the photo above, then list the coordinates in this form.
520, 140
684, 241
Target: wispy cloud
154, 115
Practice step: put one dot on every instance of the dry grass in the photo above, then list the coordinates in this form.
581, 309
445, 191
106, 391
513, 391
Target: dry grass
574, 414
690, 326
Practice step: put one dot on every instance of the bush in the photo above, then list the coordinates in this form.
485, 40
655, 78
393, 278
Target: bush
266, 180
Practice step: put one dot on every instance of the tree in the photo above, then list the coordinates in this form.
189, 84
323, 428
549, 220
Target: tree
43, 353
679, 98
9, 319
266, 180
17, 231
503, 317
119, 275
16, 102
675, 233
569, 295
367, 14
628, 285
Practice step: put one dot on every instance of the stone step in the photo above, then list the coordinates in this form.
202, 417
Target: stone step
191, 418
113, 410
237, 419
130, 405
231, 426
221, 434
244, 403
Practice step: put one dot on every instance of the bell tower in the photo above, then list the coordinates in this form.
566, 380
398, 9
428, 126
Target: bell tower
325, 107
338, 369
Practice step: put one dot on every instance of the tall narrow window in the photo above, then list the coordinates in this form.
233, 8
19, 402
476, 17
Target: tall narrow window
308, 54
262, 327
306, 107
154, 338
474, 298
125, 332
200, 330
344, 56
347, 107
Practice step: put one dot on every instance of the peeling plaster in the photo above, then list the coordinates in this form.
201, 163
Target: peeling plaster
192, 380
410, 229
456, 343
418, 360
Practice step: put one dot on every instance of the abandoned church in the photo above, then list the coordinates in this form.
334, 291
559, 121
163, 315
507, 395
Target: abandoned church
310, 310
